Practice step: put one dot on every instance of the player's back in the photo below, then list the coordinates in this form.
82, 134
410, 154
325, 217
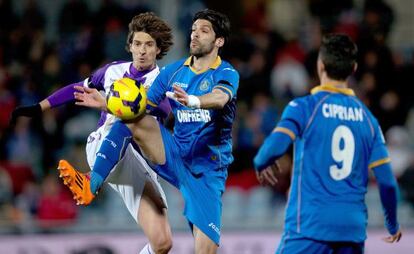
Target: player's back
330, 177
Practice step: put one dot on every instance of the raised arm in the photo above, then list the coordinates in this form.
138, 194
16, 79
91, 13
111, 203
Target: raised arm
62, 96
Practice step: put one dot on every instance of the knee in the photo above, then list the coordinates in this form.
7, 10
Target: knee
162, 244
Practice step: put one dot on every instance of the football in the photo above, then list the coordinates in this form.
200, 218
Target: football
127, 99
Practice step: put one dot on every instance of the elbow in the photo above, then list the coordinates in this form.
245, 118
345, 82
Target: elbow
222, 101
220, 105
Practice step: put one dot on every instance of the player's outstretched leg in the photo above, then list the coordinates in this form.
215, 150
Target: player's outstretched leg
78, 183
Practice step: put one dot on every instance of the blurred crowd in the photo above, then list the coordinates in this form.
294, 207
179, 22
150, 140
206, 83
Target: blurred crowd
274, 47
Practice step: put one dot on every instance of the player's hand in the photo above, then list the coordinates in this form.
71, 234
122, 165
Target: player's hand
268, 175
89, 97
179, 95
34, 110
393, 238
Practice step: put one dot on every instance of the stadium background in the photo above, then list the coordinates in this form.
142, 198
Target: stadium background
46, 44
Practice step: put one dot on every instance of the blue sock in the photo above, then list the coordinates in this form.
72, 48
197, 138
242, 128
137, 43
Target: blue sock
96, 181
110, 153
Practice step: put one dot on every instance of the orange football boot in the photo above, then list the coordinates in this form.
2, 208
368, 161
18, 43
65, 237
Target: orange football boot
79, 184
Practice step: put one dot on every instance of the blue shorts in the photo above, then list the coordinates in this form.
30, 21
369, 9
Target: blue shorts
201, 192
294, 243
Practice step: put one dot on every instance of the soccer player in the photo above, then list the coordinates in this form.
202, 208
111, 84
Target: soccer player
128, 173
336, 142
202, 89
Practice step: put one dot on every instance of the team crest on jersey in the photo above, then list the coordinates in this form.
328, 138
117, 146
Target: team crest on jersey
204, 85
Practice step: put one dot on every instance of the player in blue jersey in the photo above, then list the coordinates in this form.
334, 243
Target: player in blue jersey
202, 89
336, 142
128, 173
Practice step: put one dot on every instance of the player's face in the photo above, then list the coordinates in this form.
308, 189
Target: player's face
144, 51
203, 38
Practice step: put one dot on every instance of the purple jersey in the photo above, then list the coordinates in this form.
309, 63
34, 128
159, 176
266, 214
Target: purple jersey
102, 80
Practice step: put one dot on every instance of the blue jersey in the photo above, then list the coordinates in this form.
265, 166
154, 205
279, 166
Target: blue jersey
204, 135
337, 140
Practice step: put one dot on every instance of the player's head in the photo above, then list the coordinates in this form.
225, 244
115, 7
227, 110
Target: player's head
149, 38
209, 32
337, 57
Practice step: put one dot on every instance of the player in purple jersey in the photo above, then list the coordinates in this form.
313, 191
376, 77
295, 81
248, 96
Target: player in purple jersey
336, 142
203, 91
149, 39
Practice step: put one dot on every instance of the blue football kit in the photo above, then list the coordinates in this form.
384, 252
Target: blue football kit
200, 148
336, 141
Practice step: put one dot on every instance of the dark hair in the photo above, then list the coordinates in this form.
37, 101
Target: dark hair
153, 25
219, 21
338, 53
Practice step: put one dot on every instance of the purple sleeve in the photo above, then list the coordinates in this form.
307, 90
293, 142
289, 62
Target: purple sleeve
63, 95
163, 109
97, 79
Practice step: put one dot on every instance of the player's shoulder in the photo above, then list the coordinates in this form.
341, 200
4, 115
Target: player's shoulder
302, 106
226, 66
226, 71
118, 65
110, 71
124, 65
302, 101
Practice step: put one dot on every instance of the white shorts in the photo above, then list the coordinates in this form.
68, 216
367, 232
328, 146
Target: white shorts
129, 175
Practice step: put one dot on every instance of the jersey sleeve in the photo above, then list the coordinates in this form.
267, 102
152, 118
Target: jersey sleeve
97, 79
156, 93
63, 95
388, 188
379, 153
227, 80
274, 146
293, 118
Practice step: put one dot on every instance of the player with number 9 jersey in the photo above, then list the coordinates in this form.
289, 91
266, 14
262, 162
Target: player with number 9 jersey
337, 141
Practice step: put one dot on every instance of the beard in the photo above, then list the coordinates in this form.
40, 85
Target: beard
202, 49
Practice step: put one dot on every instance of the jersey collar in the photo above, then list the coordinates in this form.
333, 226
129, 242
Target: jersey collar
137, 73
332, 89
213, 66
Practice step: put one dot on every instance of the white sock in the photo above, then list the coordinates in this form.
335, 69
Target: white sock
147, 249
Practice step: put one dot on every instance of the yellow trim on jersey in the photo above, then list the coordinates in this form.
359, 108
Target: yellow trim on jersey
332, 89
285, 131
152, 103
225, 88
213, 66
188, 61
378, 163
216, 63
